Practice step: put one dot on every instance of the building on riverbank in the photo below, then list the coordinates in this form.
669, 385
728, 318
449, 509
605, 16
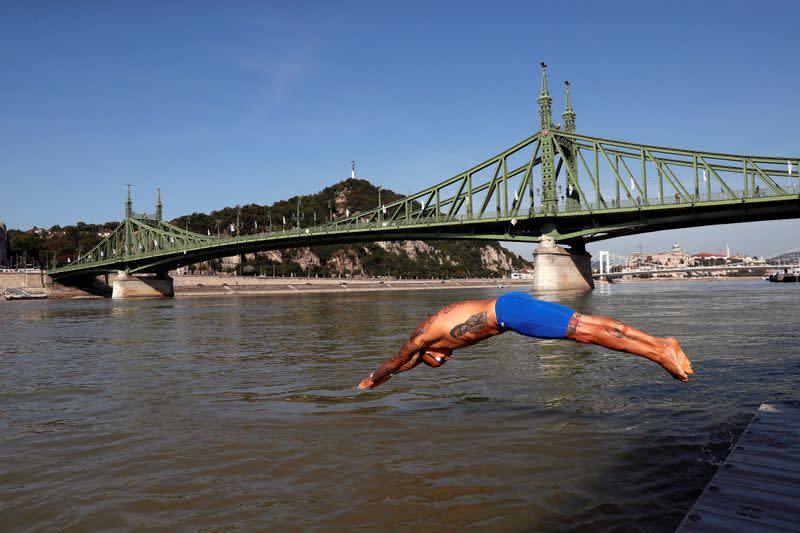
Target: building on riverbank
523, 273
675, 258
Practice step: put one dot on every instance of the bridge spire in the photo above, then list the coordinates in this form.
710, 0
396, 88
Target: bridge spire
129, 204
549, 198
545, 103
159, 206
570, 156
569, 114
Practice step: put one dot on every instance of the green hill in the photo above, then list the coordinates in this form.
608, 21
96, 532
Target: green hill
397, 258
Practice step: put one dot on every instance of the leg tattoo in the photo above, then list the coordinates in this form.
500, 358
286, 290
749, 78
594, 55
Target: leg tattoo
616, 332
573, 324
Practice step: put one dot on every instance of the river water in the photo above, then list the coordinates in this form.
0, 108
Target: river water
228, 413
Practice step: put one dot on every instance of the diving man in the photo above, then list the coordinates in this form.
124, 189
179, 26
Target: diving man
463, 324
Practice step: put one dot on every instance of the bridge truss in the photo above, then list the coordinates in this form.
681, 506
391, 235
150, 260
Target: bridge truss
575, 188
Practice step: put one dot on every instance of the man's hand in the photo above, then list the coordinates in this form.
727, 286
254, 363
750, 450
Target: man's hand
435, 359
369, 383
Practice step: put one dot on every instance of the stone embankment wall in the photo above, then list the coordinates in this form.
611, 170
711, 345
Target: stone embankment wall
25, 280
207, 285
39, 282
197, 285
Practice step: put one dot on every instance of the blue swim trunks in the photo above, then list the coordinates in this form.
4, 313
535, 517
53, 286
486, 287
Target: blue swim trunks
526, 315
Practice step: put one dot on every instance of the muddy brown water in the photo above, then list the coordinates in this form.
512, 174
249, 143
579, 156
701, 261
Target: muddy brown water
241, 413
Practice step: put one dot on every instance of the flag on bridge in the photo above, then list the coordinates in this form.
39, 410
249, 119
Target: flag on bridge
789, 164
208, 231
384, 209
705, 175
284, 220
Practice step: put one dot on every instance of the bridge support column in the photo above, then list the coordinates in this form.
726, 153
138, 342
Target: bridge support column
144, 286
556, 268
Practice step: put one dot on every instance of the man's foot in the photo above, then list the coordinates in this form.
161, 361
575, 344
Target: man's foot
674, 363
686, 365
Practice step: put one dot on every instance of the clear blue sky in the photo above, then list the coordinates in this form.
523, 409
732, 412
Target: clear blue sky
230, 103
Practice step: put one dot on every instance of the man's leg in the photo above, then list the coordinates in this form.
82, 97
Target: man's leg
613, 334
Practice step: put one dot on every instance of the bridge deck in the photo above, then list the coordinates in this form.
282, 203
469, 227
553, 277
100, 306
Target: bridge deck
758, 486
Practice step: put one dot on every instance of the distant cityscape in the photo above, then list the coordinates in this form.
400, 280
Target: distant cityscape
646, 264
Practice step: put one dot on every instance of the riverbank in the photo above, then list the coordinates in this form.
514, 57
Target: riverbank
693, 279
224, 285
194, 285
239, 285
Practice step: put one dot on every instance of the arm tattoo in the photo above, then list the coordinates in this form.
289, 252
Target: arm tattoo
474, 324
402, 360
450, 307
422, 329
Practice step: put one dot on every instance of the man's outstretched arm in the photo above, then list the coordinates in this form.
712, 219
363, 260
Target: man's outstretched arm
406, 358
409, 356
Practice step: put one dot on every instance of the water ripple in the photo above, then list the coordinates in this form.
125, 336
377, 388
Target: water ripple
201, 414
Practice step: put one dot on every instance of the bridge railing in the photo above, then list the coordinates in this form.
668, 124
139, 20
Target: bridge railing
631, 173
700, 197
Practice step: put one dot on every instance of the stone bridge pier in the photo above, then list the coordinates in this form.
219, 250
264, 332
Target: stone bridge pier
556, 268
125, 286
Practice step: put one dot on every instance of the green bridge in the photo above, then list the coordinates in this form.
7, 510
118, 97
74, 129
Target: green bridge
556, 186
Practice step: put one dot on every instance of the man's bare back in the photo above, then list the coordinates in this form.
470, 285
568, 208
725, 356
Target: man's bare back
465, 323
